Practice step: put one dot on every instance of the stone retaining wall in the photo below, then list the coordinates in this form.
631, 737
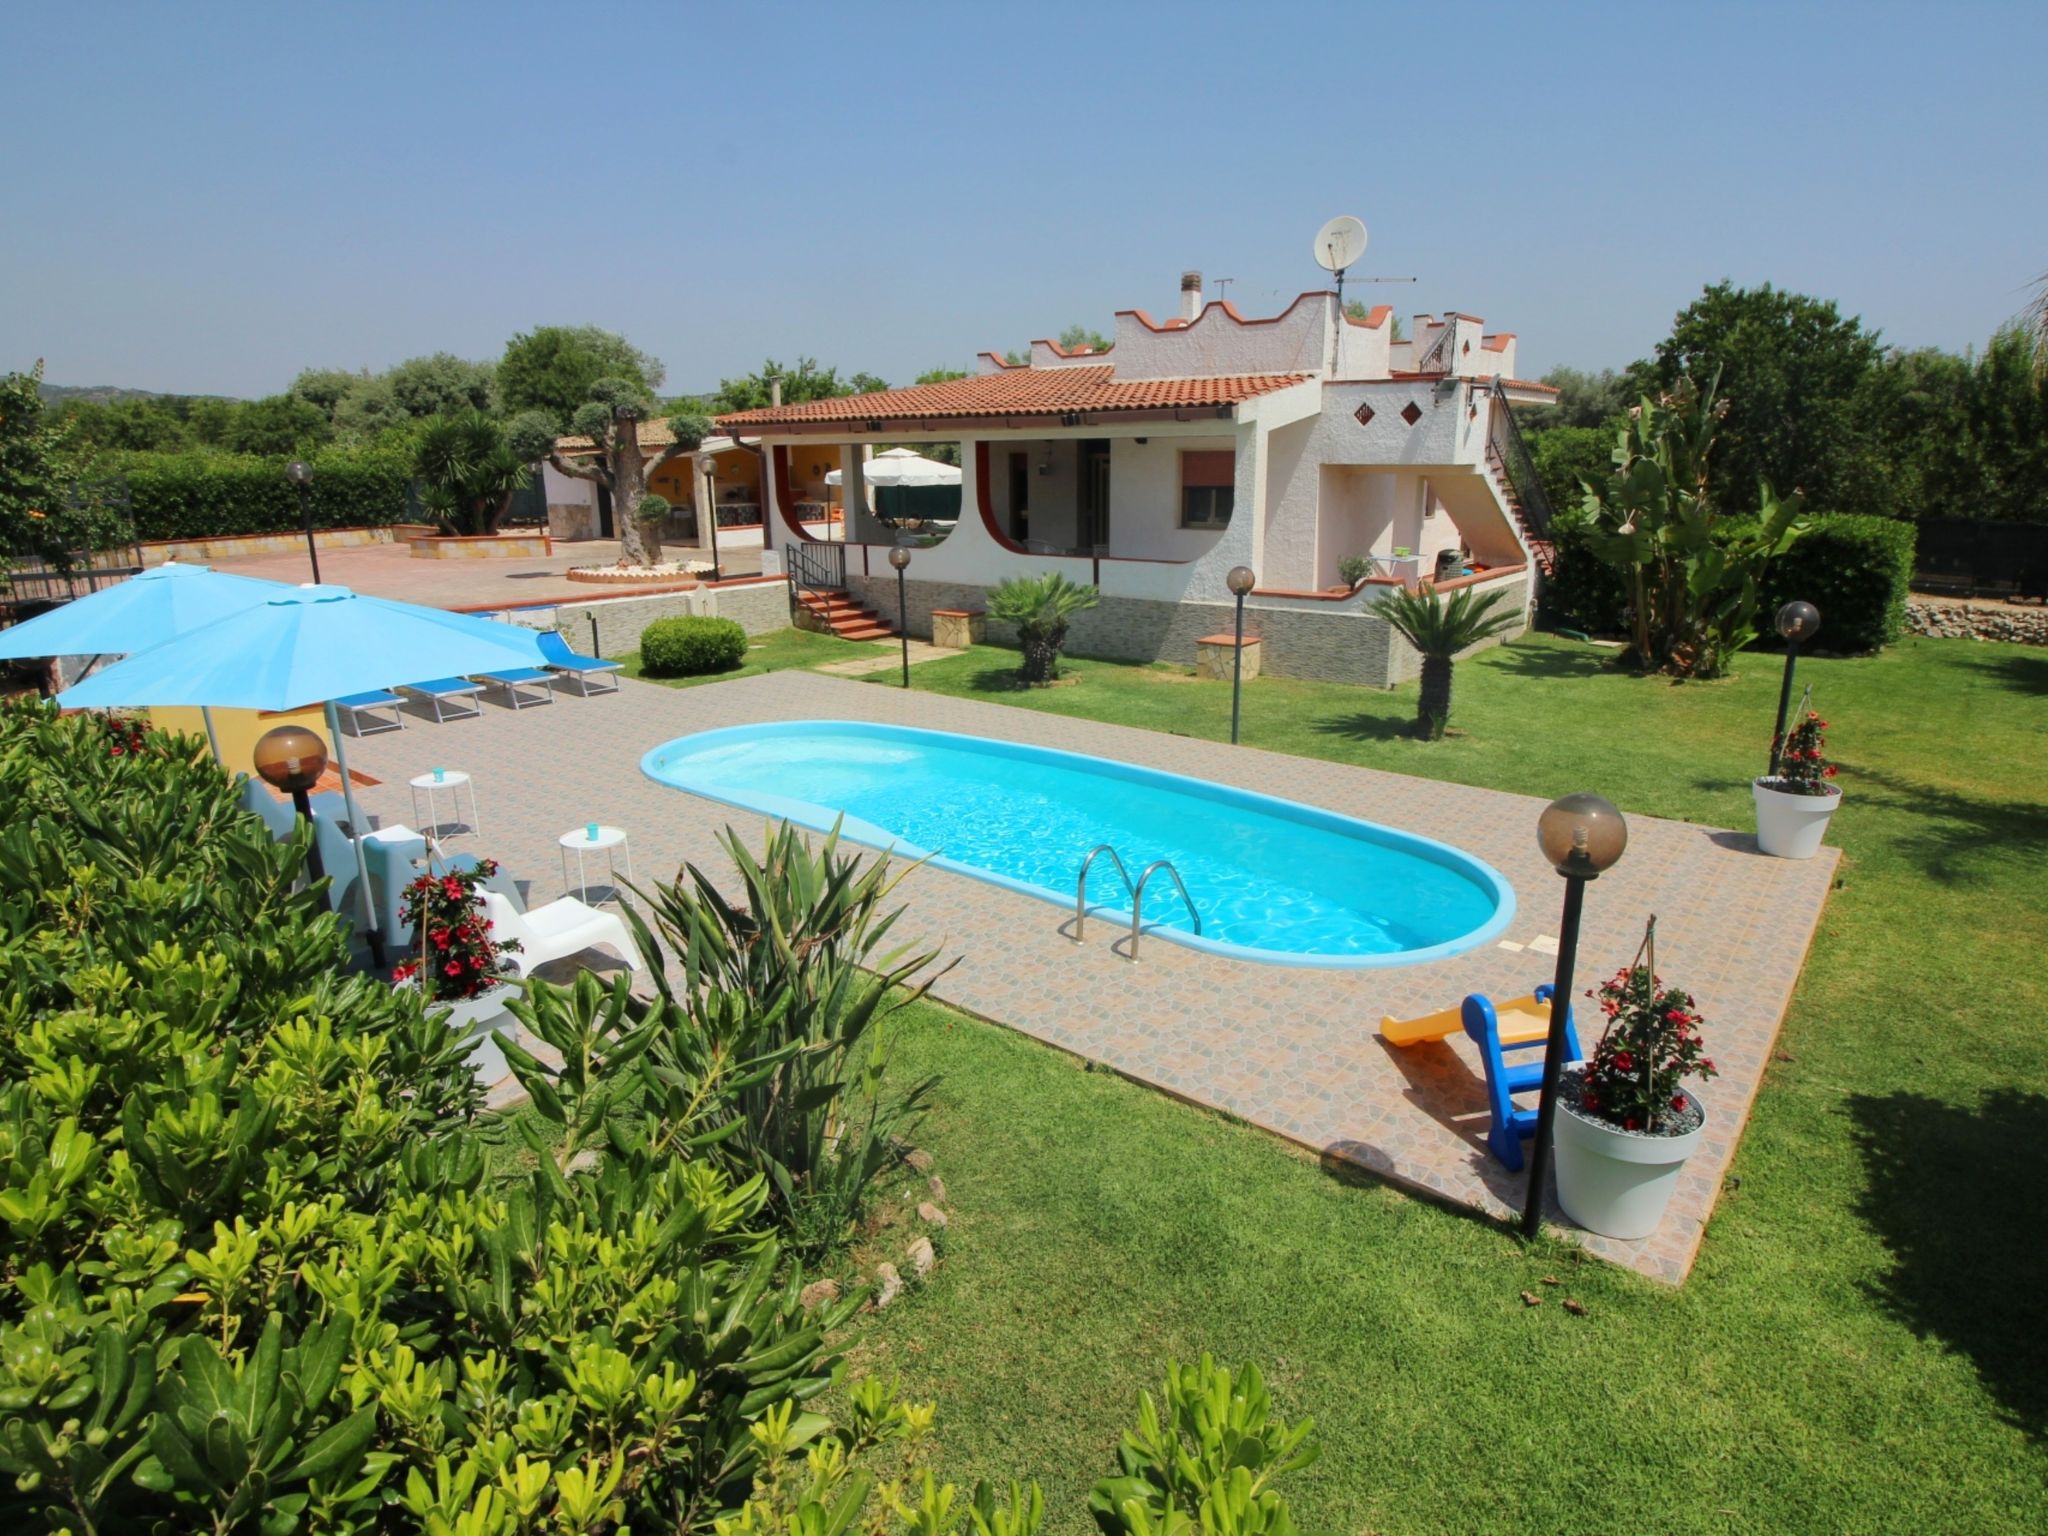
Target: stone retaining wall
759, 608
1958, 620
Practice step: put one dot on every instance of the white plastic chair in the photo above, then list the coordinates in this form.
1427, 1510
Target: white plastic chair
562, 928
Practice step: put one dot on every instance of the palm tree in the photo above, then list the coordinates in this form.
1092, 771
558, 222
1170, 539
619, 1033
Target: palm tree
1039, 606
1440, 630
468, 472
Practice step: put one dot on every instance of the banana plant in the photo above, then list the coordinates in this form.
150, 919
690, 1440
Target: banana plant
1693, 568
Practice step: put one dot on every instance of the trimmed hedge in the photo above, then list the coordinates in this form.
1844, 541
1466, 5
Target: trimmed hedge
691, 647
219, 495
1853, 568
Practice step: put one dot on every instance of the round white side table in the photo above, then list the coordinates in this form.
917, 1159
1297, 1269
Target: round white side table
610, 841
452, 780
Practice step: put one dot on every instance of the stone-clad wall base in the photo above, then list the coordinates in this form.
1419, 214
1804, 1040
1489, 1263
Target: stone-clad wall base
1336, 647
760, 608
1977, 621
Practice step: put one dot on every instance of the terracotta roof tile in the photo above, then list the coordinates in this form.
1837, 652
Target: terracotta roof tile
1021, 392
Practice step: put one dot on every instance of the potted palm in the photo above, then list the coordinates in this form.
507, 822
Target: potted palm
1626, 1121
459, 965
1439, 630
1793, 806
1039, 607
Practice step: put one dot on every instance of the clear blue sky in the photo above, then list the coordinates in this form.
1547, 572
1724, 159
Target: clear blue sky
203, 197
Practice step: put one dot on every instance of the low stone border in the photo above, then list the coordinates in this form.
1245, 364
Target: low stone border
1977, 621
487, 546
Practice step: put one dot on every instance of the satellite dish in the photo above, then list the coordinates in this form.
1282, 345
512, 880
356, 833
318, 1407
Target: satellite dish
1340, 242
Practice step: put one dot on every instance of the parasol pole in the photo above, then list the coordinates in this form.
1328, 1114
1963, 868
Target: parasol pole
356, 829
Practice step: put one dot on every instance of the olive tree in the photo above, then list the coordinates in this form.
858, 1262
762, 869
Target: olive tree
610, 418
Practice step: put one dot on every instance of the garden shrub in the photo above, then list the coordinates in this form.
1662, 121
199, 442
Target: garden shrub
1856, 570
202, 495
255, 1275
1583, 592
691, 647
799, 975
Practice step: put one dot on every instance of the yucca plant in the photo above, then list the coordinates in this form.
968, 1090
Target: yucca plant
1039, 607
468, 472
1440, 629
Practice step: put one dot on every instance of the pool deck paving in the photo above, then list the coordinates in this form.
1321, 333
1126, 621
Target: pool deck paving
1293, 1049
389, 570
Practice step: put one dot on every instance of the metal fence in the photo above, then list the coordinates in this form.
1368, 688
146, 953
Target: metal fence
1972, 557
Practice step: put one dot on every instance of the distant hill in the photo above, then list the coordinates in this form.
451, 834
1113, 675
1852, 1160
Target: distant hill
101, 394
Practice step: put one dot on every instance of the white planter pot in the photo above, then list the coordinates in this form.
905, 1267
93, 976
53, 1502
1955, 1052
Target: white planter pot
1791, 826
1612, 1181
474, 1018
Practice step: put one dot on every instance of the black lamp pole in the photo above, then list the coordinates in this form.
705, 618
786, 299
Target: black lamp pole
300, 473
1240, 581
1581, 835
900, 558
711, 511
1796, 622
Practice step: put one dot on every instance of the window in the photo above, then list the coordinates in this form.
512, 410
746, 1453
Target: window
1206, 489
1205, 506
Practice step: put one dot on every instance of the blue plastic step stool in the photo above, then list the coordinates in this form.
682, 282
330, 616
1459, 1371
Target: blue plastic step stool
1510, 1121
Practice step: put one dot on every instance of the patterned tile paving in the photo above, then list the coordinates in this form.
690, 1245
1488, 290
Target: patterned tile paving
1294, 1050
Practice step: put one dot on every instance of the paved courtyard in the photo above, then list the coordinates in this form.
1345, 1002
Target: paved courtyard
389, 570
1294, 1050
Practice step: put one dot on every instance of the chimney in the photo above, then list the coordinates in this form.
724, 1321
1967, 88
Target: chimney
1190, 295
775, 391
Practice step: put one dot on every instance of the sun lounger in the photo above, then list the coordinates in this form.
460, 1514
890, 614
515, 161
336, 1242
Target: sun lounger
512, 679
578, 670
357, 717
447, 694
562, 928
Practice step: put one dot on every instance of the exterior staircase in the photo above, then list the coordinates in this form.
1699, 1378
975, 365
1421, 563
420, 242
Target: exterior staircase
844, 617
1540, 546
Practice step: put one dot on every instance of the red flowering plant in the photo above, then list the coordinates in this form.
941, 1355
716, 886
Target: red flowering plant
126, 735
1651, 1044
457, 957
1803, 766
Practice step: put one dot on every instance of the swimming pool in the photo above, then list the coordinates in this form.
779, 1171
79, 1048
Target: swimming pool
1273, 880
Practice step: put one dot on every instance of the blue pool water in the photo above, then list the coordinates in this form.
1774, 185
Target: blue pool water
1273, 880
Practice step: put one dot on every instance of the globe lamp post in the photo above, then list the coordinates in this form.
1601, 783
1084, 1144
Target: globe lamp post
1795, 622
292, 758
1241, 580
300, 473
900, 558
1582, 836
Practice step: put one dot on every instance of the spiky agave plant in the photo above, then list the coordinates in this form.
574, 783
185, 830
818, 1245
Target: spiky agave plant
1439, 629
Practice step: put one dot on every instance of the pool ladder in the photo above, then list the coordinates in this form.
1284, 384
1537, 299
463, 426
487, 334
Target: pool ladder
1136, 889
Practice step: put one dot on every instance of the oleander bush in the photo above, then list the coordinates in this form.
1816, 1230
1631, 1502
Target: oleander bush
198, 495
691, 647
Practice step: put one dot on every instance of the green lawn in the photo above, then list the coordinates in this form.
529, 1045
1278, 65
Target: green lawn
775, 652
1863, 1345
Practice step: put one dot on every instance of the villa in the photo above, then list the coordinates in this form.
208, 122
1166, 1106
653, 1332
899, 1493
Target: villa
1189, 447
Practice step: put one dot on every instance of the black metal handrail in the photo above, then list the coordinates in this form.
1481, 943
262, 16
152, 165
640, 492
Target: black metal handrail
1504, 441
813, 566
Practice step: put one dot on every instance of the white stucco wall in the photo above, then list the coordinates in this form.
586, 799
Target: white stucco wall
1145, 498
1299, 340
